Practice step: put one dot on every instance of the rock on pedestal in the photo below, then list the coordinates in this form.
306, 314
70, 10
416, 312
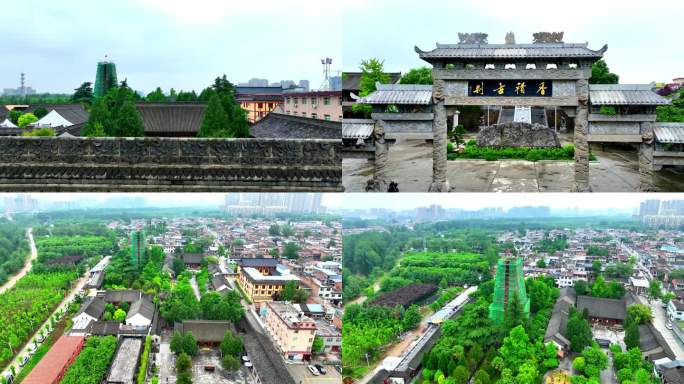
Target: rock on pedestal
518, 135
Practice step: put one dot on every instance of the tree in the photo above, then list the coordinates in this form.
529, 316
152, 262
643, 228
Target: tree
99, 120
14, 116
178, 266
156, 96
318, 345
274, 230
26, 119
291, 251
183, 363
516, 349
578, 331
43, 132
215, 122
128, 122
639, 314
230, 363
372, 71
460, 375
600, 74
481, 377
184, 378
527, 374
120, 315
422, 75
632, 335
668, 296
581, 287
411, 317
231, 344
541, 263
655, 290
596, 267
83, 94
40, 112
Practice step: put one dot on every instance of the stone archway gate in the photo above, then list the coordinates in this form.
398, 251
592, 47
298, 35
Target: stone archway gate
547, 73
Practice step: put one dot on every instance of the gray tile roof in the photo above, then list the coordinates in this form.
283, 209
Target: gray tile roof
172, 117
282, 126
357, 128
669, 133
399, 94
143, 307
510, 51
652, 343
603, 308
94, 307
74, 113
207, 331
624, 94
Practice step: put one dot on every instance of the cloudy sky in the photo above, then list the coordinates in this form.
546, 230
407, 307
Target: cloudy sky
168, 43
644, 37
625, 202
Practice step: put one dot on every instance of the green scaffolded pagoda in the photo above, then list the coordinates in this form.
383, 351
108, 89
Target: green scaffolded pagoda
509, 282
137, 247
105, 78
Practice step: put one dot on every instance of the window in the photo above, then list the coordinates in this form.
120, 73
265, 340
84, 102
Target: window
304, 114
287, 100
326, 101
314, 101
340, 99
314, 116
327, 117
304, 100
296, 100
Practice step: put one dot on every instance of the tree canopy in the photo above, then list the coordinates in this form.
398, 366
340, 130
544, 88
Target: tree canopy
600, 74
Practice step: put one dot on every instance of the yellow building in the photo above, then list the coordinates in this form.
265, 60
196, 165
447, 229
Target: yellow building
261, 288
258, 101
292, 332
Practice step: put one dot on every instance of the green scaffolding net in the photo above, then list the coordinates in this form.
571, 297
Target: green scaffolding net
509, 281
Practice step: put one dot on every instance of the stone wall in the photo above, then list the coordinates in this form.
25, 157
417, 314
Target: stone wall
169, 164
518, 135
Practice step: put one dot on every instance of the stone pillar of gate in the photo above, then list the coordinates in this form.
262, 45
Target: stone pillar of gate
646, 149
581, 138
439, 149
380, 181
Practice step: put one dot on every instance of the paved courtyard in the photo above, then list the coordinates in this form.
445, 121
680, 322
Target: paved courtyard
410, 164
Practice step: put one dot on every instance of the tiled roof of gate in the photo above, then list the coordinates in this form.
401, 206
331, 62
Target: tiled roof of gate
282, 126
511, 51
669, 133
411, 94
74, 113
624, 94
357, 128
172, 117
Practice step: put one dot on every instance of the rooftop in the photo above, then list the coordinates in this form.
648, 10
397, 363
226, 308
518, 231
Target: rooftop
206, 331
282, 126
351, 80
56, 360
293, 318
357, 128
410, 94
124, 365
669, 133
256, 276
511, 51
624, 94
603, 308
176, 118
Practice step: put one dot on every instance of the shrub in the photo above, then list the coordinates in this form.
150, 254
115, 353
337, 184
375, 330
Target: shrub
44, 132
607, 110
450, 147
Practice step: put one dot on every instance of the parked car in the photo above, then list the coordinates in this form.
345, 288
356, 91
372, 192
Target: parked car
313, 370
24, 360
338, 368
321, 369
9, 378
668, 326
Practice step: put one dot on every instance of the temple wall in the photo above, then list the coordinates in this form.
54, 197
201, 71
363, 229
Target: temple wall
169, 164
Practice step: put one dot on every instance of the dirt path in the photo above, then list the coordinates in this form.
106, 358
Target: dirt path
361, 299
27, 267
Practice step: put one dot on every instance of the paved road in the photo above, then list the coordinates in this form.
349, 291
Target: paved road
659, 320
27, 267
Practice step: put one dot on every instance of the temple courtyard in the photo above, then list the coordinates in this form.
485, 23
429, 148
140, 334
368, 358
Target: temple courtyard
410, 165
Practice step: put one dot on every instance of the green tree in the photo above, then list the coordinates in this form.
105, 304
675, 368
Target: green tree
411, 317
99, 120
596, 267
639, 314
83, 94
460, 375
274, 230
120, 315
578, 331
655, 290
318, 345
372, 71
184, 378
230, 363
215, 122
291, 251
632, 335
231, 344
481, 377
156, 96
183, 363
422, 75
14, 116
128, 122
42, 132
40, 112
600, 74
26, 119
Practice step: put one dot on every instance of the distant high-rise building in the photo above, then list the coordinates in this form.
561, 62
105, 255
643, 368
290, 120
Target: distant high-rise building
20, 204
305, 85
105, 78
256, 82
509, 282
23, 90
649, 207
137, 247
271, 203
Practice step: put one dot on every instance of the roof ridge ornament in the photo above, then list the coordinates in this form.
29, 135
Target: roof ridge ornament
548, 37
510, 38
473, 38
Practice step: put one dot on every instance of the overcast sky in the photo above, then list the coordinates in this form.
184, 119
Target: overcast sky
168, 43
644, 37
625, 202
330, 200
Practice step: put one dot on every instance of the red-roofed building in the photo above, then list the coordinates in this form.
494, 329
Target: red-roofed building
54, 364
